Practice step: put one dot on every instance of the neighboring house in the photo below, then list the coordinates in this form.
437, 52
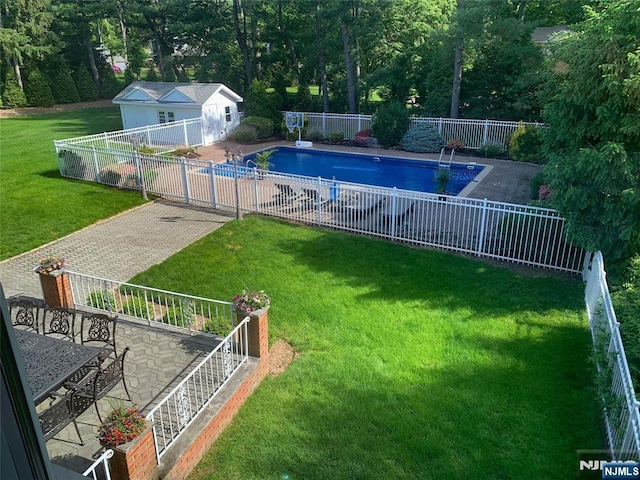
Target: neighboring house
543, 35
153, 103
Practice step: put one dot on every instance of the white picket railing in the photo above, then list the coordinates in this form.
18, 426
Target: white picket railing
622, 409
165, 137
103, 462
474, 133
153, 306
180, 408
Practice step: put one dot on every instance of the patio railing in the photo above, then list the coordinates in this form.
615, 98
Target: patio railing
181, 406
474, 133
153, 306
102, 463
621, 407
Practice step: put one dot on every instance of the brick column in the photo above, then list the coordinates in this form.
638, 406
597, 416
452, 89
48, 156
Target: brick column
257, 332
135, 460
56, 289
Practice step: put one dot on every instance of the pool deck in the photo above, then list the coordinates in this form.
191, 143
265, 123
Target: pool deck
506, 181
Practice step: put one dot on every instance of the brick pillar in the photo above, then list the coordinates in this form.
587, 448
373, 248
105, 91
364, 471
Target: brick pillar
135, 460
56, 289
258, 332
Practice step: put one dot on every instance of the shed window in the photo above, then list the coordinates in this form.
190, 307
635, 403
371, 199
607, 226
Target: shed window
165, 117
172, 117
227, 113
162, 117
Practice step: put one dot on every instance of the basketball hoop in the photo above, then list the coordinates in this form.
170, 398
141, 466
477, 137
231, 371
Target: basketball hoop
294, 120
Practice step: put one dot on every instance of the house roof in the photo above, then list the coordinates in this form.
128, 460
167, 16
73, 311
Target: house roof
544, 34
163, 93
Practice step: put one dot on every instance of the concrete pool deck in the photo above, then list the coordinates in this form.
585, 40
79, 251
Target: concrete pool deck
506, 181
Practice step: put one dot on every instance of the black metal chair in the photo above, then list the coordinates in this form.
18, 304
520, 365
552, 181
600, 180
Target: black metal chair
58, 415
60, 322
25, 312
99, 328
98, 384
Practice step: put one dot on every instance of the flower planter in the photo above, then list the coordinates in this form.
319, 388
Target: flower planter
56, 289
135, 459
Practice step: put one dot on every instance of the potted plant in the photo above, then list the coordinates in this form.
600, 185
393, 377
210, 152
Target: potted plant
250, 301
122, 425
442, 177
56, 289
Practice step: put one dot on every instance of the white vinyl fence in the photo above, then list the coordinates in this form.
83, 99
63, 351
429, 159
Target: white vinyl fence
474, 133
101, 464
179, 409
518, 233
152, 306
621, 407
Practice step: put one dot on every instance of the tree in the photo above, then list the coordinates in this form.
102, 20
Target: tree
12, 95
38, 91
591, 99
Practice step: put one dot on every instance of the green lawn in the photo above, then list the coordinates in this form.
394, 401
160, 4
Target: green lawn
36, 204
413, 364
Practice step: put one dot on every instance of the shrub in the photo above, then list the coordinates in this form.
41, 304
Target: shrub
102, 299
62, 86
137, 307
217, 326
423, 138
244, 134
262, 125
362, 136
182, 152
536, 182
313, 135
180, 316
455, 144
110, 84
110, 177
152, 75
145, 149
74, 164
491, 150
12, 94
390, 123
525, 144
336, 137
38, 91
87, 90
258, 103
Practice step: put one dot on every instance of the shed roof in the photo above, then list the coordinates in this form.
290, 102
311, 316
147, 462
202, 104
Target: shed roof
544, 34
172, 93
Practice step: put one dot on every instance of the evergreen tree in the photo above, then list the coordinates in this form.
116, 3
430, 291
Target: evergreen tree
87, 91
12, 95
37, 90
62, 86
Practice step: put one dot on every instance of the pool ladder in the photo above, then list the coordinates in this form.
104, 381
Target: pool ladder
446, 164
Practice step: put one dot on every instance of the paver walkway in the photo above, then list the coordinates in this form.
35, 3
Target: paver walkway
119, 247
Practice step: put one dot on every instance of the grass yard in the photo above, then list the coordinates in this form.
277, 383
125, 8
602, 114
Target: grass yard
413, 364
37, 205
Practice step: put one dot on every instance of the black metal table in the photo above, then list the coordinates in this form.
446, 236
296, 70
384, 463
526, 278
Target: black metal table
50, 361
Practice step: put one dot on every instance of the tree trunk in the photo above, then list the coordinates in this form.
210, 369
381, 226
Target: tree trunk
241, 38
92, 60
521, 8
321, 62
123, 30
16, 69
457, 65
348, 62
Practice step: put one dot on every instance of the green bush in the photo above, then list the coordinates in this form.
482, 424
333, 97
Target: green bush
110, 84
336, 137
491, 150
217, 326
12, 94
262, 125
244, 134
137, 307
390, 123
182, 152
62, 86
313, 135
423, 138
526, 144
74, 164
102, 299
179, 316
145, 149
258, 103
537, 181
38, 91
626, 301
110, 177
152, 75
87, 91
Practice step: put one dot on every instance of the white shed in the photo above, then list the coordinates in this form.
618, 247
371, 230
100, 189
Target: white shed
153, 103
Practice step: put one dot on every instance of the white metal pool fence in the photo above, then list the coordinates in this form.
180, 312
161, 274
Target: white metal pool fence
518, 233
475, 134
621, 407
173, 415
153, 306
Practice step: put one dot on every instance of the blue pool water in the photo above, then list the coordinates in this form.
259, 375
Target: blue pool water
381, 171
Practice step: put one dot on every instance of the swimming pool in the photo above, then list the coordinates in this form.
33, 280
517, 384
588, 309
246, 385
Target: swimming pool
370, 170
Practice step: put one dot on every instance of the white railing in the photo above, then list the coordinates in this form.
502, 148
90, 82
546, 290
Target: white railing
522, 234
151, 305
102, 461
621, 407
165, 137
179, 409
474, 133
